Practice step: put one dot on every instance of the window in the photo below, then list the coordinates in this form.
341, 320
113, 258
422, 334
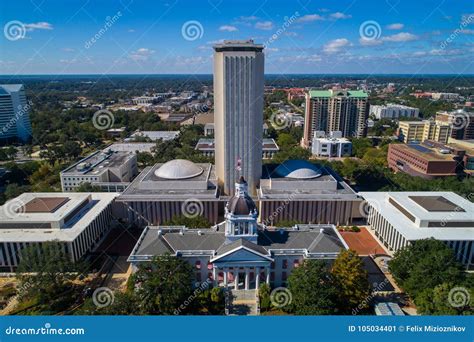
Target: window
285, 264
209, 266
296, 263
198, 265
198, 276
210, 276
284, 276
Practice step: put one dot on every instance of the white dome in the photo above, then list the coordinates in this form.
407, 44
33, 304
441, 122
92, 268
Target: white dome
298, 169
178, 169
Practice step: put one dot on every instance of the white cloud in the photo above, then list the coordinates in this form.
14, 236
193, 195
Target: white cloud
141, 54
248, 18
370, 42
395, 26
264, 25
291, 34
228, 28
467, 31
340, 15
336, 45
400, 37
309, 18
66, 49
131, 30
42, 25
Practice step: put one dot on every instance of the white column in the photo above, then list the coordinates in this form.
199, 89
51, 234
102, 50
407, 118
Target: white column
247, 279
236, 279
225, 277
268, 275
215, 276
257, 277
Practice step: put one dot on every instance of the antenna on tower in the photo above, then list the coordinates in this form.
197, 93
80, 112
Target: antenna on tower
238, 167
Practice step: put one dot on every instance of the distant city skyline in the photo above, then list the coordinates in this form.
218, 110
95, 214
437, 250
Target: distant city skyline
176, 37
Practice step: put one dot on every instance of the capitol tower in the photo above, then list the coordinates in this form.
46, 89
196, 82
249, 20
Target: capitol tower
238, 113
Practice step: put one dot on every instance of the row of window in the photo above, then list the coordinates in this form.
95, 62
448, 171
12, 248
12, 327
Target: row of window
284, 264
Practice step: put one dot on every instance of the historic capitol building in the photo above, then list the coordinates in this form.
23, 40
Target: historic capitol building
242, 198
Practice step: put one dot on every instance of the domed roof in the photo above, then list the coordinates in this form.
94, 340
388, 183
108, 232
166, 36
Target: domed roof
178, 169
238, 205
298, 169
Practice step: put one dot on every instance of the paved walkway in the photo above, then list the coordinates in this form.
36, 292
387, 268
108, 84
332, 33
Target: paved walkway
242, 302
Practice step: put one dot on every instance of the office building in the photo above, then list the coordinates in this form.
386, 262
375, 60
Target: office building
399, 218
15, 122
332, 145
78, 221
153, 136
461, 122
418, 131
393, 111
335, 110
239, 253
110, 170
238, 112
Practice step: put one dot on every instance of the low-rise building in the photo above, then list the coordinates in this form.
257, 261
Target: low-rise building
417, 131
332, 145
393, 111
153, 135
423, 160
111, 170
78, 221
399, 218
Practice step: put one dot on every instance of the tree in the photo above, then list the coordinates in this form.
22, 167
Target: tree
425, 264
264, 296
163, 284
47, 275
190, 222
351, 279
312, 289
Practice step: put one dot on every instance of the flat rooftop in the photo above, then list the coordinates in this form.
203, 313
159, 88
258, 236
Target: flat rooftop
148, 186
424, 151
50, 216
156, 135
98, 162
131, 147
425, 214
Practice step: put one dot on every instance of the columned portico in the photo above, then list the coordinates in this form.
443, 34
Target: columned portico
244, 278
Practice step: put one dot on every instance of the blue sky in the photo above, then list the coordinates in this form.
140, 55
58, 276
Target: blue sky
138, 36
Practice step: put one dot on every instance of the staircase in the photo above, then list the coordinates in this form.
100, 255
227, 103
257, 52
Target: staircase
242, 303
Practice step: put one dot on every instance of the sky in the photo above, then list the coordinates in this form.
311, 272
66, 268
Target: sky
300, 36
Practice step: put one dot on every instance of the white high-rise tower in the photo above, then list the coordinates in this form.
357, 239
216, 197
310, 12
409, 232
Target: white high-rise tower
238, 112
